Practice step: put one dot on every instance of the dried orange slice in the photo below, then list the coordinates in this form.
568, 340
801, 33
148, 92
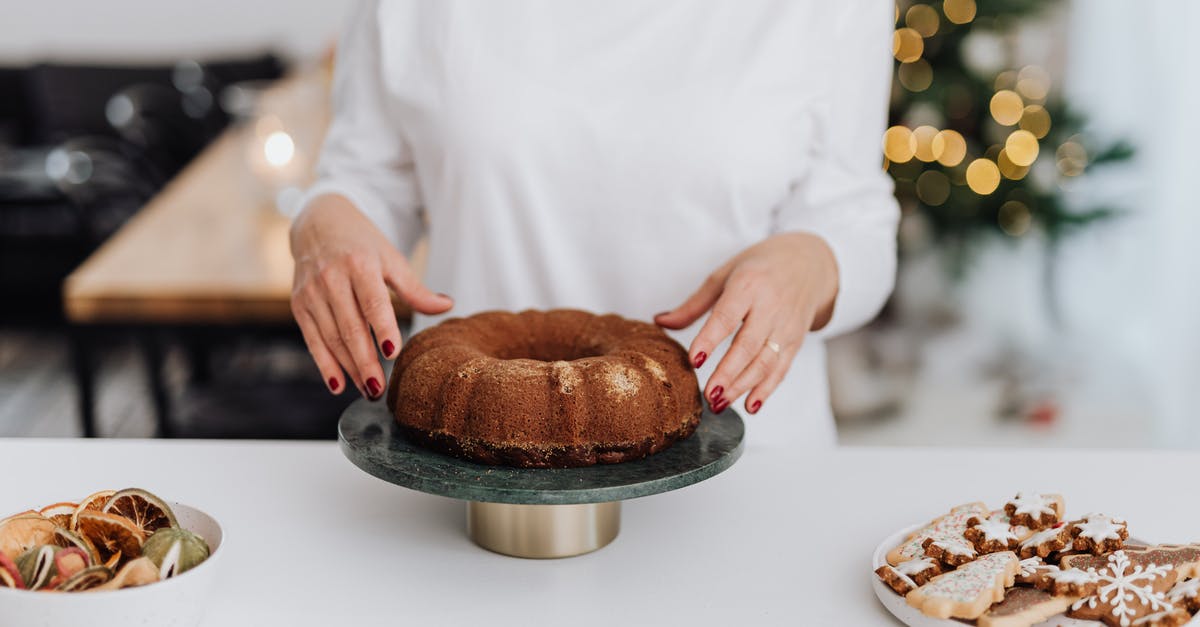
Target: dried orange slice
23, 532
146, 511
86, 579
138, 572
68, 539
111, 534
59, 513
92, 502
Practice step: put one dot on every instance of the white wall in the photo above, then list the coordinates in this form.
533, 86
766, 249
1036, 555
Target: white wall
149, 30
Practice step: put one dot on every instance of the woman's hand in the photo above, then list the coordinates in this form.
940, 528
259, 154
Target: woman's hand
776, 291
344, 266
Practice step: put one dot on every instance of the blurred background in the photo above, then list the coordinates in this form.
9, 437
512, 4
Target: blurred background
1042, 153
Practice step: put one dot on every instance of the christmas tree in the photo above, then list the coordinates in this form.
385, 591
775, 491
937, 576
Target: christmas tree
978, 146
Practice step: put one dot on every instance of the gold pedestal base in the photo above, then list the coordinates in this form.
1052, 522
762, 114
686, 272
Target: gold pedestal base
543, 531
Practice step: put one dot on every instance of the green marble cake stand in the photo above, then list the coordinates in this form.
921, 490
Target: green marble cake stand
531, 512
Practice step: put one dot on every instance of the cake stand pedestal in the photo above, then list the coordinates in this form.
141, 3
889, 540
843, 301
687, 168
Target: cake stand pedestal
537, 512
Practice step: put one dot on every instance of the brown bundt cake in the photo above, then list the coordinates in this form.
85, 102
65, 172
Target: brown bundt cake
545, 389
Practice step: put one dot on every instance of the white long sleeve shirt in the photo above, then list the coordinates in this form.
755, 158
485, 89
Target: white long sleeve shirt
609, 154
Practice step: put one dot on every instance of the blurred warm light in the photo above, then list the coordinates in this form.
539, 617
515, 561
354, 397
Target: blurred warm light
1036, 120
907, 45
983, 176
1006, 107
1005, 80
1014, 218
899, 145
1071, 158
1033, 82
896, 18
1022, 148
959, 11
916, 76
279, 149
923, 19
933, 188
924, 136
1009, 169
949, 148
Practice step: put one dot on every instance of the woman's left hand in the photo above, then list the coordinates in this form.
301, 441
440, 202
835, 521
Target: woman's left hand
776, 291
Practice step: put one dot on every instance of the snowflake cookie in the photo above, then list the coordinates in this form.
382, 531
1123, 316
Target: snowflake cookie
943, 527
1098, 533
969, 591
1032, 571
1129, 588
1036, 511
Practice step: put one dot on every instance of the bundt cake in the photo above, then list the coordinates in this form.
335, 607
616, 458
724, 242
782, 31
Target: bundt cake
544, 389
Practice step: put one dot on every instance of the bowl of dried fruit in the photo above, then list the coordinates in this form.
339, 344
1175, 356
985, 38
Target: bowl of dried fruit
117, 557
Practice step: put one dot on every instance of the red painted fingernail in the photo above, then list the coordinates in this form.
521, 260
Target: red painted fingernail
388, 347
716, 393
721, 405
699, 359
754, 406
334, 384
373, 387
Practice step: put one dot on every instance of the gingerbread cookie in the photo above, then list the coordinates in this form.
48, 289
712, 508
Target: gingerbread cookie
969, 591
1036, 511
1044, 542
1186, 594
953, 552
1129, 588
907, 576
1032, 571
994, 533
950, 525
1165, 618
1022, 607
1098, 533
1070, 581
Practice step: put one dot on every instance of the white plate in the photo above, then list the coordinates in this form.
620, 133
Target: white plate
910, 615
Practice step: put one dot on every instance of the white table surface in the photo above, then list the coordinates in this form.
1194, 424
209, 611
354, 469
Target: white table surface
782, 538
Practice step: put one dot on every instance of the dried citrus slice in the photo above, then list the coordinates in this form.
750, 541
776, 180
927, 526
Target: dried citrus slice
146, 511
111, 534
23, 532
175, 550
86, 579
138, 572
92, 502
10, 575
59, 513
37, 565
68, 539
28, 512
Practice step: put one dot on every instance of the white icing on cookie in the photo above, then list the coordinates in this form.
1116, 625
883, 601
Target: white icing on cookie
1045, 535
1033, 504
1126, 588
1189, 589
914, 566
994, 529
1151, 619
1073, 576
1030, 565
954, 546
1099, 527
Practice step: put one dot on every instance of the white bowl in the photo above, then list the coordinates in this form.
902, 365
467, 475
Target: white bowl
176, 602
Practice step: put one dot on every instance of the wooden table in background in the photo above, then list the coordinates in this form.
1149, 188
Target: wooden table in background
210, 250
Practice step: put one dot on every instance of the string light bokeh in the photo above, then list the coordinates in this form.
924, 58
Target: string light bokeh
979, 141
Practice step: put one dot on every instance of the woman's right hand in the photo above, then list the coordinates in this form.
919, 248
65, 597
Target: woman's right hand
344, 266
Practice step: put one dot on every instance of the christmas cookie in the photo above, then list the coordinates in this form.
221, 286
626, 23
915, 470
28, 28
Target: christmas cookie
952, 552
1022, 607
969, 591
1044, 542
907, 576
1166, 618
1036, 511
950, 525
1183, 558
1070, 581
994, 533
1098, 533
1032, 571
1186, 594
1129, 588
